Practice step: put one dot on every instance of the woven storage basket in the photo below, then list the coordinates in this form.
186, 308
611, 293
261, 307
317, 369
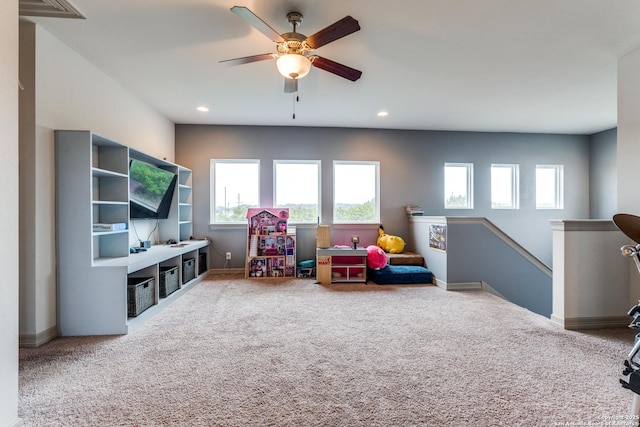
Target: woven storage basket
188, 269
169, 282
140, 292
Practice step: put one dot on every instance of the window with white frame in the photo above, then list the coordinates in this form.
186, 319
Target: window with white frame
458, 185
356, 192
549, 187
505, 186
235, 187
296, 185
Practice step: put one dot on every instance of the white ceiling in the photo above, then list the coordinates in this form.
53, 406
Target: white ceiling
483, 65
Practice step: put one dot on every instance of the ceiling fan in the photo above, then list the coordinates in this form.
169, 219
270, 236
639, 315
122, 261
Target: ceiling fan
294, 55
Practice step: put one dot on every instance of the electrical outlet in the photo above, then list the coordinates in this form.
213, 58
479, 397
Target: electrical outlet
228, 255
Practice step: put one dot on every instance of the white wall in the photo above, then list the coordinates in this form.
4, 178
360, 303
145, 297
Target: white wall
590, 277
628, 148
628, 151
72, 93
419, 237
69, 93
9, 213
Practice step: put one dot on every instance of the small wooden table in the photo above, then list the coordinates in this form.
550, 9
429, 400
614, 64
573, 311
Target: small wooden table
341, 265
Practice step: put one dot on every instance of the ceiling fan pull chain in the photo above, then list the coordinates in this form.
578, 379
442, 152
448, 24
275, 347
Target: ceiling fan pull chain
296, 98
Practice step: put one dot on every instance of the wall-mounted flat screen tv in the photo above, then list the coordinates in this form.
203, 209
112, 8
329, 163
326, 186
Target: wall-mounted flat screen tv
150, 190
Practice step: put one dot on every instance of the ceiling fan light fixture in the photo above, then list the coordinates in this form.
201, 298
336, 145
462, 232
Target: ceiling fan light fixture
293, 65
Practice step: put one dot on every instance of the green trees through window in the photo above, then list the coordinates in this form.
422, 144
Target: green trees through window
458, 185
356, 192
235, 185
364, 212
296, 185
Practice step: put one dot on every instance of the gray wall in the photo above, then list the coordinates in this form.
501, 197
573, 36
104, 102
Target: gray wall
411, 170
603, 200
474, 254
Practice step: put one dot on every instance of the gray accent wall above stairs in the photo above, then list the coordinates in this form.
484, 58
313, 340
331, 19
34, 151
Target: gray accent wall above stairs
411, 172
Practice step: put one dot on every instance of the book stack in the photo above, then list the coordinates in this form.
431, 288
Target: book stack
413, 210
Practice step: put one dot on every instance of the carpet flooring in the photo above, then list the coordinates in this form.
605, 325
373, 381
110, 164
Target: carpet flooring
290, 352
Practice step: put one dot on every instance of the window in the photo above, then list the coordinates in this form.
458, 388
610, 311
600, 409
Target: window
356, 192
296, 185
458, 185
504, 186
235, 187
549, 187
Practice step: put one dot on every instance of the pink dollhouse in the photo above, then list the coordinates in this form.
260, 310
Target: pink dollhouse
271, 252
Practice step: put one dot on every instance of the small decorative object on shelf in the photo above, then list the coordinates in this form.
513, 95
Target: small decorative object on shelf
271, 244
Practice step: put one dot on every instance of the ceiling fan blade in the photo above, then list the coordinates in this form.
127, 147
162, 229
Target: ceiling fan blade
336, 68
290, 85
248, 59
335, 31
257, 23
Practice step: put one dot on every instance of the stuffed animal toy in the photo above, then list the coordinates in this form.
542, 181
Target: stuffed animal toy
389, 243
376, 258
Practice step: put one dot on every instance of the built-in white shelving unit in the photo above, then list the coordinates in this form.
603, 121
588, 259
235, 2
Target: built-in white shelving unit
185, 214
94, 262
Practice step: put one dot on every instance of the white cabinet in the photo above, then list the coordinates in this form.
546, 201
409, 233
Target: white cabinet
93, 225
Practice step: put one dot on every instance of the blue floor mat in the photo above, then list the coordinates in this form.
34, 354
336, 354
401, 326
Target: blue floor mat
400, 275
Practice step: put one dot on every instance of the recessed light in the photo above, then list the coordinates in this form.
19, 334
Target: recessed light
203, 109
382, 114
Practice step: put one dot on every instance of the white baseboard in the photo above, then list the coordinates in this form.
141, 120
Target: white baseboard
577, 323
17, 423
36, 340
459, 286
